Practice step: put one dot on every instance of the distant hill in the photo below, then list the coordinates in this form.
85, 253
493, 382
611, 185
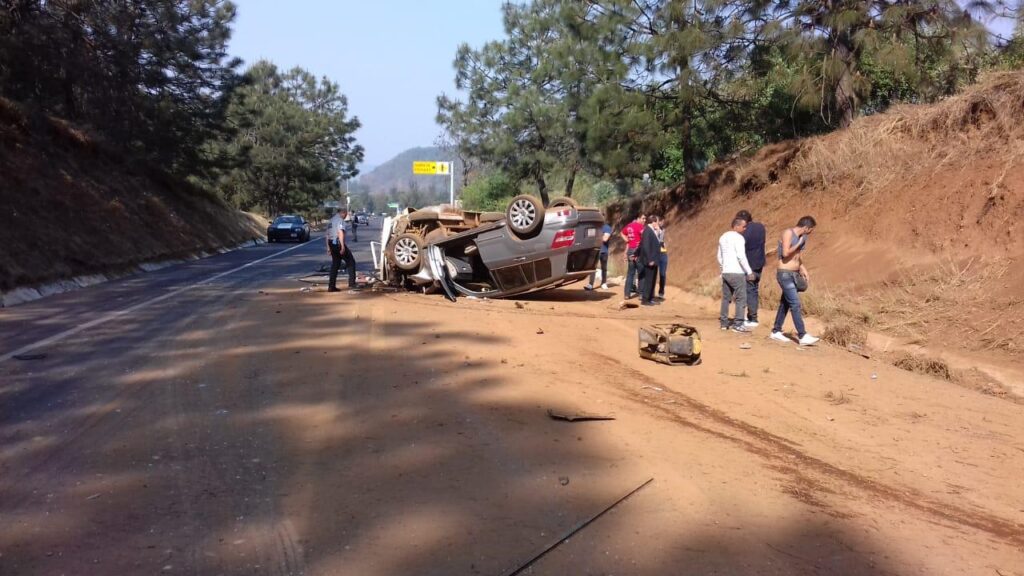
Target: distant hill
397, 172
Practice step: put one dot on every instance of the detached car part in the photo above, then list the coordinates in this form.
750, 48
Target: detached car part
671, 344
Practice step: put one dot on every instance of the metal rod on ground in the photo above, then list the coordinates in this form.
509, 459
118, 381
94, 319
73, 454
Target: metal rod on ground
574, 530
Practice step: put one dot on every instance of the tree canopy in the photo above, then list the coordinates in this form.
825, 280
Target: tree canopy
619, 88
153, 78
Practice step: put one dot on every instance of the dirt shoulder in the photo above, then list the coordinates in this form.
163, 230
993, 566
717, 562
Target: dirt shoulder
401, 434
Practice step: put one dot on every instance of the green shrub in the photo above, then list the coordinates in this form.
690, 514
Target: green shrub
488, 193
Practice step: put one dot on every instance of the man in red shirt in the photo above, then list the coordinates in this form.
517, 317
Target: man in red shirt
632, 233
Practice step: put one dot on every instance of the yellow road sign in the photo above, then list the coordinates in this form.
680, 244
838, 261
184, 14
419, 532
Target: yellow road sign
442, 168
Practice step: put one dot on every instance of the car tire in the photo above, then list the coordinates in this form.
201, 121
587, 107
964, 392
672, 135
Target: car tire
407, 252
524, 216
563, 203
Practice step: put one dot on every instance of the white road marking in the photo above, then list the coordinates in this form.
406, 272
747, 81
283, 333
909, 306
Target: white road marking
117, 314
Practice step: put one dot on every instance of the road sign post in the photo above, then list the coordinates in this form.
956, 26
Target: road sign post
438, 168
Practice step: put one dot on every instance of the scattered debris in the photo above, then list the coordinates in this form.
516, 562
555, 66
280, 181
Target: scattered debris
39, 356
859, 350
563, 480
655, 388
540, 330
306, 289
520, 305
522, 567
625, 304
95, 496
670, 344
578, 416
836, 399
742, 374
745, 346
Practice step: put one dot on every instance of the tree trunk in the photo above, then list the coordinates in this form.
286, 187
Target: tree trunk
846, 98
542, 189
571, 181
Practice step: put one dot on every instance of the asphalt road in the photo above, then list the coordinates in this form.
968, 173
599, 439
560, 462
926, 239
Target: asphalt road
148, 304
109, 351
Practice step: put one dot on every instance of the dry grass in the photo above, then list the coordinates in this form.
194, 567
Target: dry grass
845, 334
874, 151
952, 294
925, 365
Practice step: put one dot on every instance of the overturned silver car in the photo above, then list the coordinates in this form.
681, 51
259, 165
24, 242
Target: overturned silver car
491, 254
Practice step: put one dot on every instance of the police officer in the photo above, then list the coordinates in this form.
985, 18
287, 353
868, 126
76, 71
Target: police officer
336, 231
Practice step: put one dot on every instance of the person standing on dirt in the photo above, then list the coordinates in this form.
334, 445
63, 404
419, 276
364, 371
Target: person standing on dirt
339, 251
631, 234
647, 255
662, 259
792, 276
732, 259
754, 236
606, 236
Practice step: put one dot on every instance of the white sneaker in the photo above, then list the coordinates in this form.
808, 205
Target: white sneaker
779, 337
588, 287
604, 286
749, 324
808, 340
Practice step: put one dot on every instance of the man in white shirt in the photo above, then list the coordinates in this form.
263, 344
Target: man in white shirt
732, 258
335, 236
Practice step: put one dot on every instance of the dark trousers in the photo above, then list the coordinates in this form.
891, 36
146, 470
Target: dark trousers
753, 296
662, 272
648, 274
632, 270
350, 264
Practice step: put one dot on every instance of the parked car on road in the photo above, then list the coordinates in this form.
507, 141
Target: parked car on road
492, 254
288, 227
362, 218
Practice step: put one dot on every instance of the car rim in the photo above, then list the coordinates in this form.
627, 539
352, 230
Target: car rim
406, 251
522, 214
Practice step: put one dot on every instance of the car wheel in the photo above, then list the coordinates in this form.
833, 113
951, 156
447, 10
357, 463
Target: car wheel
407, 252
563, 203
524, 216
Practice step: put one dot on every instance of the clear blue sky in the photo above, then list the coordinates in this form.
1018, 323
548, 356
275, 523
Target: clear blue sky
392, 58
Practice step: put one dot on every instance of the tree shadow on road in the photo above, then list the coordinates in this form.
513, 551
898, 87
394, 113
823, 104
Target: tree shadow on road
338, 437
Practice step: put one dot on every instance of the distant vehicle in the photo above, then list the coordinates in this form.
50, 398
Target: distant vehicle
492, 254
362, 218
288, 227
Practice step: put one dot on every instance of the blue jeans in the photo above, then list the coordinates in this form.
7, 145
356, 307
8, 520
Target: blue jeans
631, 273
662, 270
790, 302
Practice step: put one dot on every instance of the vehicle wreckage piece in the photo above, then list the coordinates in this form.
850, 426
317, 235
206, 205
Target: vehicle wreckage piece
670, 344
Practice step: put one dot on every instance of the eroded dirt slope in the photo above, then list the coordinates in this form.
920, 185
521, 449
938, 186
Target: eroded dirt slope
919, 214
70, 206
